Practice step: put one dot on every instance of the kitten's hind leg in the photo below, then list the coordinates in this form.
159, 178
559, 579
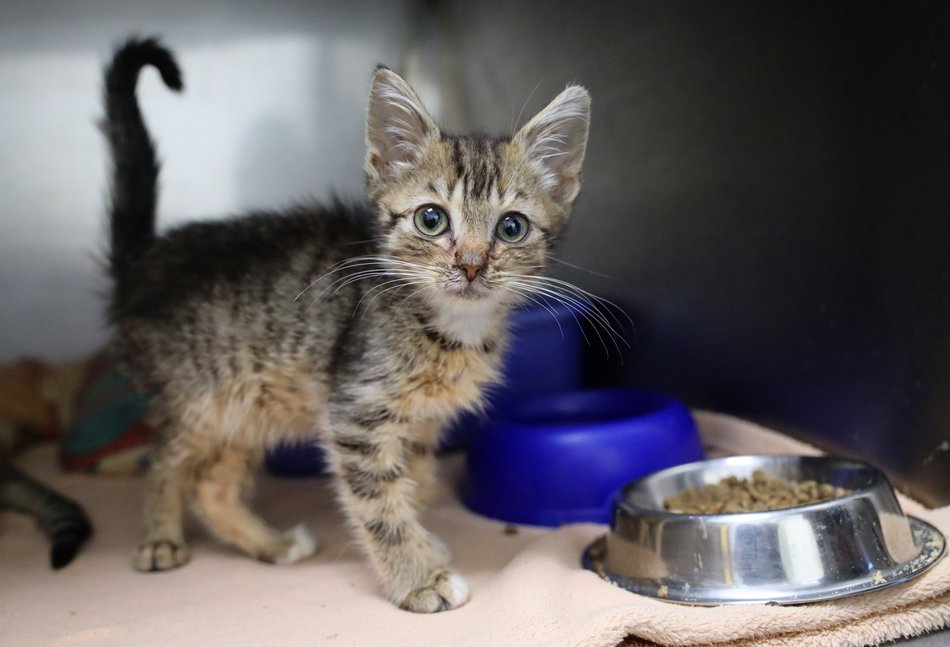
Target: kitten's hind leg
163, 546
220, 498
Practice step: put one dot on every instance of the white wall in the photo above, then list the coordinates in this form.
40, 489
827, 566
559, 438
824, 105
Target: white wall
272, 113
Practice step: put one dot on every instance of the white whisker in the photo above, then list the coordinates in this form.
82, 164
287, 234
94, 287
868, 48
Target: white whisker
356, 261
525, 105
540, 303
611, 307
578, 267
411, 295
584, 309
381, 263
393, 289
364, 274
400, 282
599, 312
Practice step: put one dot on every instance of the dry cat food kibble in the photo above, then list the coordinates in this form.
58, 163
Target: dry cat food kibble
763, 492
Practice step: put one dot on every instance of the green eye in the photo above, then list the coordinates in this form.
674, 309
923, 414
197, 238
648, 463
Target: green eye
431, 220
512, 228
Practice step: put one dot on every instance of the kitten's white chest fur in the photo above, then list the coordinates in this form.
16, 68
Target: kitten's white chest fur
470, 322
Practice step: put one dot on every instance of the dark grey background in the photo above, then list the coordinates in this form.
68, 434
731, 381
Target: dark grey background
768, 187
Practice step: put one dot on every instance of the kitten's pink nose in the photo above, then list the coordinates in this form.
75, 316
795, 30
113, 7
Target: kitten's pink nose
470, 260
470, 271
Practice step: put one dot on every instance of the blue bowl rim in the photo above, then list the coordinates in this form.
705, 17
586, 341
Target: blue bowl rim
665, 404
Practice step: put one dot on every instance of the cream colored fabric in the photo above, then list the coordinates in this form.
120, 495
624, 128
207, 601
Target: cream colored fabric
528, 588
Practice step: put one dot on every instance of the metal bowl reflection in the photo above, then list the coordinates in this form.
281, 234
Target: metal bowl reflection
852, 544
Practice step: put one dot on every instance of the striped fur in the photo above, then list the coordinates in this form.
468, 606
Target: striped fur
62, 520
340, 323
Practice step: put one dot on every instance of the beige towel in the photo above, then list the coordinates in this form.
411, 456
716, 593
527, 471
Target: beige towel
528, 588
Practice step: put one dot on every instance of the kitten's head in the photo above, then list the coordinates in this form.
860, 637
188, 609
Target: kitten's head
465, 217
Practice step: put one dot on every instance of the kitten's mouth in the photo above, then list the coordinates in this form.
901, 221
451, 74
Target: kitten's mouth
471, 290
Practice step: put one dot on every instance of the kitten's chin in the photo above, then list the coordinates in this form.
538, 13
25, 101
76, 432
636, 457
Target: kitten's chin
473, 291
466, 296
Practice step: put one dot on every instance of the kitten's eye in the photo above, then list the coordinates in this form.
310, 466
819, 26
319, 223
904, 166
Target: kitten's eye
431, 220
512, 228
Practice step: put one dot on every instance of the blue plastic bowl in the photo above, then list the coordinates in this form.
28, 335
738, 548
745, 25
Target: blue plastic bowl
296, 459
559, 458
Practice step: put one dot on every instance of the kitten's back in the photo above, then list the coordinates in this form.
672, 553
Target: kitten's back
243, 253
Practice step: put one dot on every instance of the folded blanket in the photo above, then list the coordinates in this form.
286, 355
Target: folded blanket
107, 433
86, 402
528, 587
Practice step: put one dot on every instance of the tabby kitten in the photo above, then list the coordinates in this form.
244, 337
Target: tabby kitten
367, 327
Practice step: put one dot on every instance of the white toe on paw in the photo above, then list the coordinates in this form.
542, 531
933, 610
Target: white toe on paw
448, 590
301, 545
457, 589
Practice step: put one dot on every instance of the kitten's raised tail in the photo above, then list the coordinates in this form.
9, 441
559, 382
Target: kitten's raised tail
134, 163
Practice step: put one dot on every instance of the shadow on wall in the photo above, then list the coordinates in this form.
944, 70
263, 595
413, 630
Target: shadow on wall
272, 114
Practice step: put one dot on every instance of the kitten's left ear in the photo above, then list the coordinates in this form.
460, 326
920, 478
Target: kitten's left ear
397, 127
555, 141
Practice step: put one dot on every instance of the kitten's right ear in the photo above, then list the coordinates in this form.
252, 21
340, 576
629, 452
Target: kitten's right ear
397, 127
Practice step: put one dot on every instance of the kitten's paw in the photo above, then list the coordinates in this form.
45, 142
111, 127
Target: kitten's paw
446, 590
296, 544
160, 555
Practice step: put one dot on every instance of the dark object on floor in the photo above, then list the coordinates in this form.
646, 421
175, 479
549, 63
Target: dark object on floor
62, 520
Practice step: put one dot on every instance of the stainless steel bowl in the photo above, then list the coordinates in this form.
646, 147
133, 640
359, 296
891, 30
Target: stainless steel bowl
840, 547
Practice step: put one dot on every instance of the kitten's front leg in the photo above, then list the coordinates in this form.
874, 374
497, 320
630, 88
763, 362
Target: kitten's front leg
378, 496
421, 463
